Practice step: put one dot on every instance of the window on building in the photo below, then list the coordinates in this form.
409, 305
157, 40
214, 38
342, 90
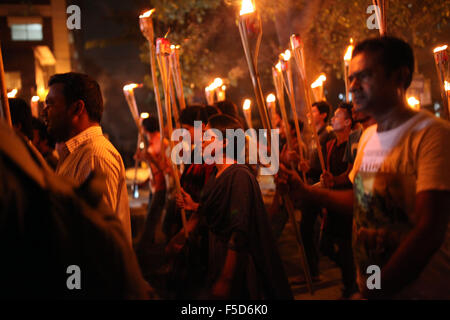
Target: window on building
26, 32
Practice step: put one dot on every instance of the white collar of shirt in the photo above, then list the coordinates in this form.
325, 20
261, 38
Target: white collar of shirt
91, 132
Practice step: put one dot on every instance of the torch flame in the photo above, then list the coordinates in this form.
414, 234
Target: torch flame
278, 66
270, 98
319, 81
130, 87
218, 82
224, 88
35, 98
12, 93
286, 55
348, 54
442, 48
247, 7
247, 104
145, 115
446, 86
413, 102
147, 13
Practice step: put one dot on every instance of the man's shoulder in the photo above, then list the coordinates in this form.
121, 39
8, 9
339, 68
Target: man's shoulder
101, 147
101, 150
428, 121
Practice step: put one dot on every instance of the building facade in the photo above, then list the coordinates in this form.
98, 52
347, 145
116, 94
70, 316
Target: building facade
35, 44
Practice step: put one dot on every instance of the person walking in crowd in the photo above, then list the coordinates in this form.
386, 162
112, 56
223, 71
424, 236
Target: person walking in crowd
243, 261
336, 240
401, 192
73, 110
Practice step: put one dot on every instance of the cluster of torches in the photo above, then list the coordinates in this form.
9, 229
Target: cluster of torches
215, 91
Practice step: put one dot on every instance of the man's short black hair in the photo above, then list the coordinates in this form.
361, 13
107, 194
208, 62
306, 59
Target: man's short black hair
151, 124
347, 106
21, 116
228, 107
78, 86
210, 111
193, 113
323, 107
393, 54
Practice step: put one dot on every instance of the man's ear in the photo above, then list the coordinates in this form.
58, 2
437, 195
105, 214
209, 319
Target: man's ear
402, 76
77, 108
348, 122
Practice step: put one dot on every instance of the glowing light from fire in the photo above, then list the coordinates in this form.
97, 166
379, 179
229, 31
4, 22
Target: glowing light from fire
442, 48
446, 86
130, 87
247, 104
348, 53
218, 82
12, 93
145, 115
319, 82
413, 102
247, 7
278, 66
286, 55
35, 99
147, 13
270, 98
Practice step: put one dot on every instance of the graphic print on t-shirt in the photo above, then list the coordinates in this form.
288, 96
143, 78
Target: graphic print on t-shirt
381, 216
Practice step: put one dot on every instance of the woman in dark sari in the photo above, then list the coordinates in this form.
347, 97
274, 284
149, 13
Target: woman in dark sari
243, 260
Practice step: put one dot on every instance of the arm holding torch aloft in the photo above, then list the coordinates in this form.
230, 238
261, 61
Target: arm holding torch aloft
5, 113
441, 60
162, 53
297, 49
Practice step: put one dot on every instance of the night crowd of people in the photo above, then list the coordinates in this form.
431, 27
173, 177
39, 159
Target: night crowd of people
383, 199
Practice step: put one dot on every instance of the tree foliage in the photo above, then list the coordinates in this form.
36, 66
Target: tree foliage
211, 46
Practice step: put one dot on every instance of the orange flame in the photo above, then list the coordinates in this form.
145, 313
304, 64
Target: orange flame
147, 13
247, 7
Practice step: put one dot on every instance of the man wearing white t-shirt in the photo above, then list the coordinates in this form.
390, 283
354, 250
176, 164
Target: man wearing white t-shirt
401, 181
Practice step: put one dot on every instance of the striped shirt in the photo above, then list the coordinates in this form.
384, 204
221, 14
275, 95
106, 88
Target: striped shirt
91, 150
